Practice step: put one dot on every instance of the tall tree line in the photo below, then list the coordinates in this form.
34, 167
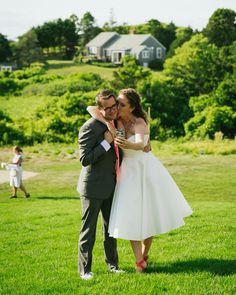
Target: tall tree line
72, 34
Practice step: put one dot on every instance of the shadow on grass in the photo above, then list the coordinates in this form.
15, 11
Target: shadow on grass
215, 266
56, 198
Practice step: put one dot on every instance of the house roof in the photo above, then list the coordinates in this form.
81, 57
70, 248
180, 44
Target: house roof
115, 41
128, 41
138, 49
102, 38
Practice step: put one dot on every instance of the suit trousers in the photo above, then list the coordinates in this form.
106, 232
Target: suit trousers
90, 213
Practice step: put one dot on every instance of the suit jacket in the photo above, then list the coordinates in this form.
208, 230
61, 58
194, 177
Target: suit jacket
98, 176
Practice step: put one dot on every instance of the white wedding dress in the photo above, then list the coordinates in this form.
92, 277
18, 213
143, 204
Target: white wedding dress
146, 201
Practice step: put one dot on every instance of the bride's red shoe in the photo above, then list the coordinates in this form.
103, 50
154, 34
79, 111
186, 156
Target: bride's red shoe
141, 265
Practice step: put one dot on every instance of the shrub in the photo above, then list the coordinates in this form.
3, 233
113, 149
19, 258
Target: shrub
156, 130
9, 133
73, 83
35, 69
156, 64
100, 63
212, 119
60, 119
9, 86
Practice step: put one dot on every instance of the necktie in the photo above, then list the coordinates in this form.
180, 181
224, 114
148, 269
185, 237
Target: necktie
117, 157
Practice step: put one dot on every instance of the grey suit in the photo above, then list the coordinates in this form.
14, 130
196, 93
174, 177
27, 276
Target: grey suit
96, 187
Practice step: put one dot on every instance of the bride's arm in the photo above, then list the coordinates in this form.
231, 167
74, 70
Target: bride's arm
96, 114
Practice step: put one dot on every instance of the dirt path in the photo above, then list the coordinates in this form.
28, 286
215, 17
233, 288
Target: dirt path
4, 175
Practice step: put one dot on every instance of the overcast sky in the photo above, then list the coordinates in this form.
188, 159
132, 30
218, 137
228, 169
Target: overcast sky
18, 16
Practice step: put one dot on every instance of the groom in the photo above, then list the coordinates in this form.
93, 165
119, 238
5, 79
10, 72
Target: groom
96, 185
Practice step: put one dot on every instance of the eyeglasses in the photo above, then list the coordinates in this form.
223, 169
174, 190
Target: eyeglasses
112, 108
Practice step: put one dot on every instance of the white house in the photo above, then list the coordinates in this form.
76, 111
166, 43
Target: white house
111, 46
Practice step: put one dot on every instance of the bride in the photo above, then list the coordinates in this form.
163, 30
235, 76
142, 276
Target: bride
146, 201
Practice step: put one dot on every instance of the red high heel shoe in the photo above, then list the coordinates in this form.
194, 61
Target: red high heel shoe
141, 265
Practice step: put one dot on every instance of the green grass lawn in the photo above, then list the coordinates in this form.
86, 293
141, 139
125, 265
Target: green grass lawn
68, 67
39, 235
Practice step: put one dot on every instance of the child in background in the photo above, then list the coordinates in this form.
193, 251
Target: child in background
16, 172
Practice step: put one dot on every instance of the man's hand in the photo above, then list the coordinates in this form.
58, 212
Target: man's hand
108, 136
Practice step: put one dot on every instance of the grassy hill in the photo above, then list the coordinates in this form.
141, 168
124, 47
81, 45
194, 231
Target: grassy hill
69, 67
23, 106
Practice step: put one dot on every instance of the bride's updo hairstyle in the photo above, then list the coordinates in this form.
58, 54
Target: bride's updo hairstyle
135, 102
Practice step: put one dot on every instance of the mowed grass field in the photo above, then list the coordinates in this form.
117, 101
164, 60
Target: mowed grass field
68, 67
39, 235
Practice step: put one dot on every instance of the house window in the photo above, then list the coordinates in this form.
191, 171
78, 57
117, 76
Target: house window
6, 68
159, 53
145, 54
93, 50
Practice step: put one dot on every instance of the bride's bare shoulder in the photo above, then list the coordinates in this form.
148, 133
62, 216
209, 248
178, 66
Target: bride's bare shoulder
140, 122
141, 126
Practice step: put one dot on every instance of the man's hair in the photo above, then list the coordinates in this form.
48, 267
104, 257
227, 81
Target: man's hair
104, 94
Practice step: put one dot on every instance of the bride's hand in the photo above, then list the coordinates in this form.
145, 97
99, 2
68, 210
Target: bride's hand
111, 128
122, 142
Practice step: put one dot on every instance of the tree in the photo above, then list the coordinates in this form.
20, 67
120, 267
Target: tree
196, 66
70, 37
168, 104
221, 28
27, 50
228, 57
9, 133
123, 29
47, 34
211, 120
225, 94
154, 27
163, 33
130, 74
214, 112
59, 33
88, 28
182, 35
168, 35
5, 49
